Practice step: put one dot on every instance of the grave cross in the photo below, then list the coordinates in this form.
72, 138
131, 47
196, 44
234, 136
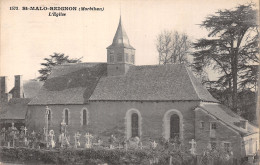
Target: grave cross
44, 130
88, 137
193, 146
154, 144
51, 134
25, 130
76, 137
13, 126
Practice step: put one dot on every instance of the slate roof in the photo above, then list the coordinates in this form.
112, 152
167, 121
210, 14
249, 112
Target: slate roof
15, 109
152, 82
70, 84
79, 83
31, 88
120, 38
227, 116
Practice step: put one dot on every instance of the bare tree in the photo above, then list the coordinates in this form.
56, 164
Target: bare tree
172, 47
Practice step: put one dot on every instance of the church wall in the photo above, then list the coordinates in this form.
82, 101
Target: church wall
222, 134
106, 118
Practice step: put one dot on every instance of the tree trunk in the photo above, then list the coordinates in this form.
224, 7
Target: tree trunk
234, 77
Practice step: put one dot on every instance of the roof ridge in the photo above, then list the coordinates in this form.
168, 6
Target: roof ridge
194, 87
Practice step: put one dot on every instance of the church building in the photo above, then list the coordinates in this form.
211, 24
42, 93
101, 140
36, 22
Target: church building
147, 101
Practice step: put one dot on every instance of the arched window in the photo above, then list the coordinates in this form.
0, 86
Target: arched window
174, 126
67, 117
49, 115
134, 124
49, 118
84, 117
84, 113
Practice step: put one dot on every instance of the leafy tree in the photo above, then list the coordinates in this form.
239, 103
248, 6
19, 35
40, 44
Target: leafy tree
53, 60
232, 48
172, 47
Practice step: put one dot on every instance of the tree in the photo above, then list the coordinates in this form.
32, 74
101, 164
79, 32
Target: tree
172, 47
233, 48
53, 60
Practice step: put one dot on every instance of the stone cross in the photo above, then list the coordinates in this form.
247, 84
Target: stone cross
76, 138
25, 130
46, 122
154, 144
51, 134
63, 126
88, 137
13, 125
63, 123
193, 146
44, 130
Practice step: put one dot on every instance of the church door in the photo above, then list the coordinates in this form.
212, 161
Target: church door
134, 123
174, 126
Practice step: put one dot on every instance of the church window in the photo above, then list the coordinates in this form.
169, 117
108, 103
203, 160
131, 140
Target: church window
134, 124
49, 117
111, 58
66, 116
84, 117
133, 59
119, 57
174, 126
126, 57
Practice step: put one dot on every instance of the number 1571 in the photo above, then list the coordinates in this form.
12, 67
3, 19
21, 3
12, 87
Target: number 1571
13, 8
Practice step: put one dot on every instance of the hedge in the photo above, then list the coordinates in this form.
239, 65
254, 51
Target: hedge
72, 156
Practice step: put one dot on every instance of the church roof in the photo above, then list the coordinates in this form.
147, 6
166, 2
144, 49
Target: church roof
70, 84
79, 83
121, 38
31, 88
15, 109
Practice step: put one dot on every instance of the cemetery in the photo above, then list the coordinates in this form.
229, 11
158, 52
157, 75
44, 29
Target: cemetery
28, 146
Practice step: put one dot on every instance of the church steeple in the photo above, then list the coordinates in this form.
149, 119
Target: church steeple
120, 54
121, 38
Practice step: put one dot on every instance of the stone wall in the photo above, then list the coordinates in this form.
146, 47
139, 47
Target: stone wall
106, 118
223, 133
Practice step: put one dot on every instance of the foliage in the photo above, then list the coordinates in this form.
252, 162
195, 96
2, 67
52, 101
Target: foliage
172, 47
233, 49
53, 60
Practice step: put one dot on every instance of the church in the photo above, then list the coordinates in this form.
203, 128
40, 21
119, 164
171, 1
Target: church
147, 101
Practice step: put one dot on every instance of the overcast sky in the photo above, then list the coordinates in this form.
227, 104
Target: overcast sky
29, 36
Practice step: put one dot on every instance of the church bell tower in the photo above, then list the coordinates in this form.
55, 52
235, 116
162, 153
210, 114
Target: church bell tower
120, 55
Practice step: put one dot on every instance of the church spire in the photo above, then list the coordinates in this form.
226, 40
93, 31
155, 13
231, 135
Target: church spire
121, 38
120, 54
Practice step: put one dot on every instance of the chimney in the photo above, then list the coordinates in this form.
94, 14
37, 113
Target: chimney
18, 87
2, 86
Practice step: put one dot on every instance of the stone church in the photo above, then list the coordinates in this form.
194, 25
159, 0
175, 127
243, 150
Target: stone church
148, 101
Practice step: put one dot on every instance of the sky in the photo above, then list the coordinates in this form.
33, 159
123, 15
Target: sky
27, 37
